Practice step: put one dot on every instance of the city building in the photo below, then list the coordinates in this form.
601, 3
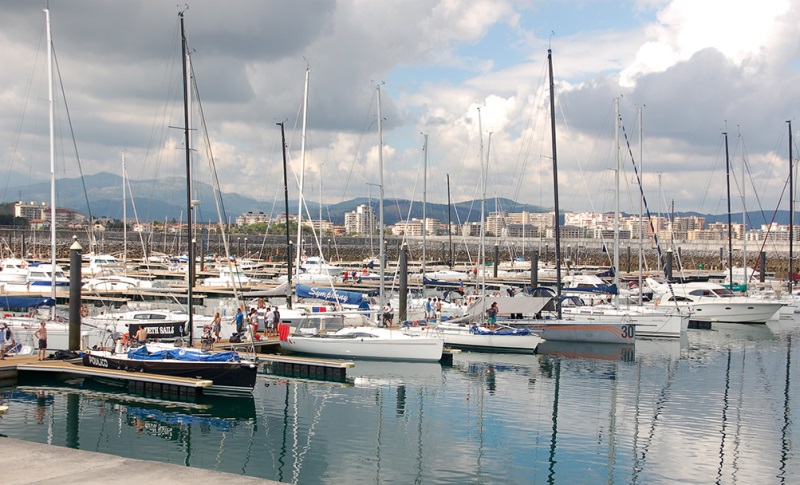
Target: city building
361, 221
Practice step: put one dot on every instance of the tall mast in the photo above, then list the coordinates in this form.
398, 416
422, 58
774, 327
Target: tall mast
641, 210
791, 211
555, 183
52, 161
187, 140
124, 220
286, 203
730, 227
744, 215
616, 206
424, 206
481, 253
302, 173
449, 232
381, 244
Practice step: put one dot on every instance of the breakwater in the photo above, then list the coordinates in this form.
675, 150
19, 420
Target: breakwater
690, 255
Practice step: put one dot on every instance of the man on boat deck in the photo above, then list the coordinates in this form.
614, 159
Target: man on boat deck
491, 314
239, 320
141, 335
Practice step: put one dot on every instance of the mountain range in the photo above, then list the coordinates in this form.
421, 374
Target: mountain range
165, 198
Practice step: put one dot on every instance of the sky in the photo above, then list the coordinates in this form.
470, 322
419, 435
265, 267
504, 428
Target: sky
471, 75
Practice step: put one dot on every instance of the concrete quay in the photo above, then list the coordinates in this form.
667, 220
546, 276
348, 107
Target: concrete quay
24, 462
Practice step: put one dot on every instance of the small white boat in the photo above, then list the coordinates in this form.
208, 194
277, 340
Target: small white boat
317, 265
476, 337
229, 277
13, 271
361, 342
711, 302
40, 277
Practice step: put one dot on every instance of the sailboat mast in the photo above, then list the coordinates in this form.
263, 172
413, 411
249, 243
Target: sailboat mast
381, 244
730, 222
555, 183
286, 208
482, 251
449, 232
791, 211
187, 139
124, 220
302, 172
52, 161
744, 214
616, 205
641, 209
424, 206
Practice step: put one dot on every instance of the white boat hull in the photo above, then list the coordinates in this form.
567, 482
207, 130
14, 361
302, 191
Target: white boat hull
389, 345
496, 343
752, 312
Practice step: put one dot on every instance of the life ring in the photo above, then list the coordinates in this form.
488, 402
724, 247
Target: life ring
416, 323
84, 311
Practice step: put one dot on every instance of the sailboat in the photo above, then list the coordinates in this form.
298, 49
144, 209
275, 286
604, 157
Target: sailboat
227, 370
45, 277
572, 328
665, 322
363, 341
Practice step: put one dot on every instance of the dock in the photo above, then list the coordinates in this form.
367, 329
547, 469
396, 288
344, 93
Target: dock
11, 368
290, 366
26, 462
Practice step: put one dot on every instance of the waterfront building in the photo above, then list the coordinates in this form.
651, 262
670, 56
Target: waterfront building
361, 221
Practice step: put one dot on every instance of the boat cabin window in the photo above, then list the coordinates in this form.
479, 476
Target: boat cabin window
149, 316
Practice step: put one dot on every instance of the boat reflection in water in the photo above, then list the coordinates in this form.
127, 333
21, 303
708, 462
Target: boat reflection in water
589, 350
717, 404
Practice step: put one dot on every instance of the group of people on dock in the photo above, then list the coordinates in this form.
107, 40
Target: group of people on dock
271, 315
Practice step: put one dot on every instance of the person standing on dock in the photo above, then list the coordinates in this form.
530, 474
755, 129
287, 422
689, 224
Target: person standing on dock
269, 323
239, 320
3, 342
216, 326
41, 334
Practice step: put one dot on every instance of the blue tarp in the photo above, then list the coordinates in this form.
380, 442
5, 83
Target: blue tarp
141, 353
8, 302
327, 294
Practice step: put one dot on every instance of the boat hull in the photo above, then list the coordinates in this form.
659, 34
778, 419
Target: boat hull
752, 312
492, 343
589, 331
412, 349
237, 377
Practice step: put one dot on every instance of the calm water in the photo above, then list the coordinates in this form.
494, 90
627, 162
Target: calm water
719, 406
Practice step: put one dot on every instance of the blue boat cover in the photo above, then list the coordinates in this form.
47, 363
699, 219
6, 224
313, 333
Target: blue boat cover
327, 294
141, 353
8, 302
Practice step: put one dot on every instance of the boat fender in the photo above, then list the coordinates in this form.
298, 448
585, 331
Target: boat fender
84, 311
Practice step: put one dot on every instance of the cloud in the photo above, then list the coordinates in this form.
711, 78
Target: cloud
692, 65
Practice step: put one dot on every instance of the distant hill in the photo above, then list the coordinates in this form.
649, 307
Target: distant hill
166, 198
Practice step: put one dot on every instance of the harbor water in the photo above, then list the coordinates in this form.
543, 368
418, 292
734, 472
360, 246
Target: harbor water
716, 406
